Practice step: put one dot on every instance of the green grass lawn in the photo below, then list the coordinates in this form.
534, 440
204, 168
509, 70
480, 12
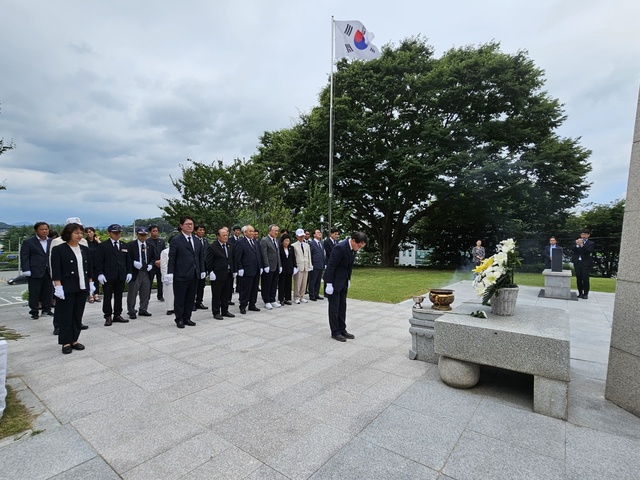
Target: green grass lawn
393, 285
16, 418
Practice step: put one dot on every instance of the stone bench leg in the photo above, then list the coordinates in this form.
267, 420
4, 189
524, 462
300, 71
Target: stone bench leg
458, 373
550, 397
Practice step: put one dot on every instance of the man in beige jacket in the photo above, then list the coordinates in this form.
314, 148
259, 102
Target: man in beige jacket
303, 260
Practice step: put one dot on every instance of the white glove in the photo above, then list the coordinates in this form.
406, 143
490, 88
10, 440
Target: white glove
311, 268
348, 283
212, 276
137, 264
167, 279
203, 275
266, 269
241, 272
149, 267
328, 289
92, 288
128, 278
295, 270
235, 274
261, 270
280, 270
102, 279
27, 273
59, 292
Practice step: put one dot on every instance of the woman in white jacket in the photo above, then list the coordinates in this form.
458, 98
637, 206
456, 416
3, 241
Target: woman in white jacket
168, 290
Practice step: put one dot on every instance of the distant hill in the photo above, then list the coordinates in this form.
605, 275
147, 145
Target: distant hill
5, 226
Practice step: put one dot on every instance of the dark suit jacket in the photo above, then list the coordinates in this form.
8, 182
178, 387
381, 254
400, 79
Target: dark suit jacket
113, 264
585, 252
328, 246
247, 257
317, 255
134, 255
33, 258
217, 262
340, 265
288, 263
185, 262
65, 268
158, 245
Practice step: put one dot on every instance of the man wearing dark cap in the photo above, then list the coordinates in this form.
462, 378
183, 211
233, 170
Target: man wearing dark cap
142, 256
114, 271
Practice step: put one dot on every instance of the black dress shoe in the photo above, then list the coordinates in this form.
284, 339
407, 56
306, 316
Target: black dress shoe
144, 314
35, 316
161, 299
319, 298
217, 316
202, 306
66, 349
194, 308
108, 321
180, 324
229, 315
119, 319
313, 299
254, 308
56, 331
77, 346
348, 335
170, 312
243, 310
584, 297
286, 302
339, 338
48, 313
132, 316
232, 303
190, 323
83, 326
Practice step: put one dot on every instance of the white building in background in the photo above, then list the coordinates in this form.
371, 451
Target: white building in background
410, 256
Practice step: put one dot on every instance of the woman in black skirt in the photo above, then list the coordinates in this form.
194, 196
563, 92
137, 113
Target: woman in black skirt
289, 268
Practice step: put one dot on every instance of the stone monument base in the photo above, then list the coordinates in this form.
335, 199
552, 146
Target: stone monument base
557, 284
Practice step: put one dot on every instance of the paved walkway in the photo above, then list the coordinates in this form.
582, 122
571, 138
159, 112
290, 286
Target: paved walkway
269, 395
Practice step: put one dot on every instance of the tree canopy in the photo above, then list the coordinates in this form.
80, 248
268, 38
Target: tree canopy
461, 143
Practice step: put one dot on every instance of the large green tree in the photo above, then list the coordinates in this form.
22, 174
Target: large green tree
423, 138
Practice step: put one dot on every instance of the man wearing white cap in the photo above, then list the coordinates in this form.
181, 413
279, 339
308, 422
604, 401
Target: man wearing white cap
303, 261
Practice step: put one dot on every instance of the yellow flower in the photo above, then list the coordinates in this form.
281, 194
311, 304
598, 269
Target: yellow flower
483, 266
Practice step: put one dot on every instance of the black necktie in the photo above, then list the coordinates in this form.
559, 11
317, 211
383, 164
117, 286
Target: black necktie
302, 248
115, 245
190, 244
143, 256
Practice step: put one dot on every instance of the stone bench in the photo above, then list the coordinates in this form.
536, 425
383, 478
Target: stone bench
535, 341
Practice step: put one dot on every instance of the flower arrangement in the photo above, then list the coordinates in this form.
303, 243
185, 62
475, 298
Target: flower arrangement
497, 271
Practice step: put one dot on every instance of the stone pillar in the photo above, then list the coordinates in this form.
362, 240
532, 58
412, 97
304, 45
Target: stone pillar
422, 332
623, 376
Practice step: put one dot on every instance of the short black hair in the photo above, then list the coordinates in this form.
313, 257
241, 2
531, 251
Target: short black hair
586, 230
335, 230
199, 226
69, 229
359, 237
89, 229
184, 218
39, 224
151, 227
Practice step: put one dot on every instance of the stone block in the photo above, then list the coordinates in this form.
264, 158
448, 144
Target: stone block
422, 332
625, 330
557, 284
550, 397
629, 263
623, 381
458, 373
534, 341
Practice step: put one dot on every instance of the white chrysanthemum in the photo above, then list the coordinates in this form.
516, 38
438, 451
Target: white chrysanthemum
480, 289
500, 258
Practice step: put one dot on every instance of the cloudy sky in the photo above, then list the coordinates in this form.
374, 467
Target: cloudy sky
105, 99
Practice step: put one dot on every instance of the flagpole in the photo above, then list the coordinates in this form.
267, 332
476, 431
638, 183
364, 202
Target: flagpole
331, 124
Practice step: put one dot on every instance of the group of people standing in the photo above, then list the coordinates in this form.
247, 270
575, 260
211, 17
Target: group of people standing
62, 271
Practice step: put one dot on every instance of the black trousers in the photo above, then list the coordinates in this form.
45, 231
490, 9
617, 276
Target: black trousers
582, 277
315, 277
220, 293
200, 290
284, 287
184, 293
69, 312
112, 289
40, 293
338, 311
248, 290
157, 274
269, 286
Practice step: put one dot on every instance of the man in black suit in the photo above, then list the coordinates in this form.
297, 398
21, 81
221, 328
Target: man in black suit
159, 246
34, 260
220, 264
548, 251
200, 236
114, 271
247, 258
337, 277
142, 257
185, 268
271, 267
331, 242
318, 261
236, 235
582, 259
